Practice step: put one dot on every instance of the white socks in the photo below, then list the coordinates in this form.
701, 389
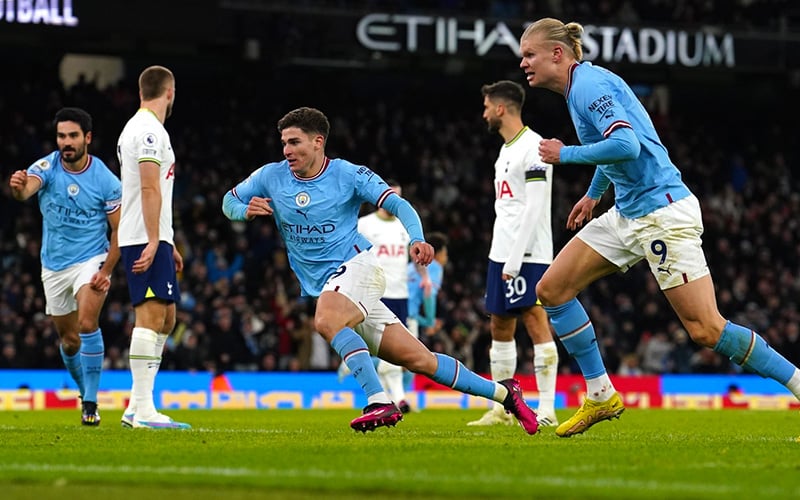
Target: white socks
545, 366
392, 380
144, 364
502, 362
600, 389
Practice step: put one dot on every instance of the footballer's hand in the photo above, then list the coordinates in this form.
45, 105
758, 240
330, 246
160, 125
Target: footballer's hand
581, 212
550, 150
145, 260
18, 181
176, 255
100, 282
421, 253
258, 206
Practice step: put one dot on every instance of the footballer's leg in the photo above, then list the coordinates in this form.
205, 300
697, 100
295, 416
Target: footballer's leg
158, 349
575, 267
153, 294
398, 346
347, 299
62, 309
502, 365
335, 317
391, 377
92, 350
145, 358
545, 362
67, 328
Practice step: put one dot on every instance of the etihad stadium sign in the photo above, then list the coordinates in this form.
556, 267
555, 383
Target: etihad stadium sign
51, 12
402, 33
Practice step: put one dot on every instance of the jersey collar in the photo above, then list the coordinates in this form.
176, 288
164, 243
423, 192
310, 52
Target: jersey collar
325, 162
570, 78
76, 172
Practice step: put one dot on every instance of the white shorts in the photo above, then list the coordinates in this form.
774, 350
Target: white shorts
361, 279
60, 287
668, 238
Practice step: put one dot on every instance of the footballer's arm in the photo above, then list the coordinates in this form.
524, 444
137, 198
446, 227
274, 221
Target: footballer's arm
23, 186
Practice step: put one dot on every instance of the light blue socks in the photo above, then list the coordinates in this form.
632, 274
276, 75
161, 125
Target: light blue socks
749, 349
453, 374
91, 357
73, 364
355, 354
573, 327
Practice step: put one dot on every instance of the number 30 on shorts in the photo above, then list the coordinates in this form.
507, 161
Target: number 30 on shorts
516, 286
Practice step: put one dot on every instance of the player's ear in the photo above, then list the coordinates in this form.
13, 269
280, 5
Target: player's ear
558, 52
89, 137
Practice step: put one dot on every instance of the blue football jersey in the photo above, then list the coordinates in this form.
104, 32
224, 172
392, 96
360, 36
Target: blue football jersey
600, 102
74, 208
317, 216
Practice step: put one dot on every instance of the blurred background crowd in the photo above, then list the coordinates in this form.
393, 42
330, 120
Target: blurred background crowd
240, 307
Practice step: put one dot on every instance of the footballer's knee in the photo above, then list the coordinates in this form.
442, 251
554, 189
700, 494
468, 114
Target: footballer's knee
87, 324
169, 320
551, 292
327, 325
70, 342
423, 364
546, 293
704, 334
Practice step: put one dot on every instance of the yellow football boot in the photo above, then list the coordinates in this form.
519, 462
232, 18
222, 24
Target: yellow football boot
589, 414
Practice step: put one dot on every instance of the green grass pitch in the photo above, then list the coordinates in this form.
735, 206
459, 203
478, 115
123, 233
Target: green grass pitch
248, 454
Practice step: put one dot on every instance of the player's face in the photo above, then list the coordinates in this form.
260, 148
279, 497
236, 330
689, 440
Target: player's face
72, 143
491, 115
302, 150
537, 59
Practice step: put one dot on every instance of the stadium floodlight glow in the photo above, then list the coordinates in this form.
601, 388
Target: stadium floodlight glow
52, 12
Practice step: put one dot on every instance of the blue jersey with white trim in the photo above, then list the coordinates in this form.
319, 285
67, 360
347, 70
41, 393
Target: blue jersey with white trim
74, 208
600, 102
317, 216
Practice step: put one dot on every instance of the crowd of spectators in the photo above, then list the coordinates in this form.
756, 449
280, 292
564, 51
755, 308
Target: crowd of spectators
240, 307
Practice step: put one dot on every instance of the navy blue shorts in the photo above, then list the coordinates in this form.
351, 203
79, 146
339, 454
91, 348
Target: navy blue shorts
159, 282
505, 298
399, 307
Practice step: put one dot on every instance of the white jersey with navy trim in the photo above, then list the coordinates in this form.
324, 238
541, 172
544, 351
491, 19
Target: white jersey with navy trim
390, 241
518, 165
75, 208
143, 139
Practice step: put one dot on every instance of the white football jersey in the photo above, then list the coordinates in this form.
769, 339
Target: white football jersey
144, 138
390, 241
521, 179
